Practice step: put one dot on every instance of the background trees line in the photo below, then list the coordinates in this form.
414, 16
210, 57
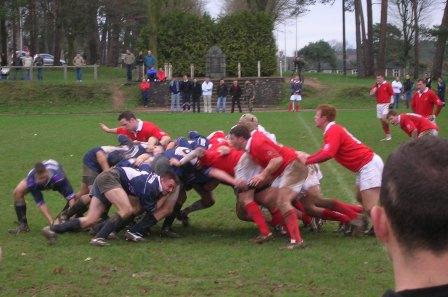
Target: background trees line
179, 32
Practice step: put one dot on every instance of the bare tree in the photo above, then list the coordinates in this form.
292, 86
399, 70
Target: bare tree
381, 61
440, 45
416, 38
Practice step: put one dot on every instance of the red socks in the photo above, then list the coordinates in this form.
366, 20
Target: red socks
277, 218
290, 106
345, 209
356, 207
305, 218
334, 216
292, 225
385, 127
297, 107
256, 215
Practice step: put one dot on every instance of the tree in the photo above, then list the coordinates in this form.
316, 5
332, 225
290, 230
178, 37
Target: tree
416, 36
393, 40
318, 53
381, 61
442, 37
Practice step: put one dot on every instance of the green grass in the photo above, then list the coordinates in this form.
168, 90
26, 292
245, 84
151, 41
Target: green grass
214, 257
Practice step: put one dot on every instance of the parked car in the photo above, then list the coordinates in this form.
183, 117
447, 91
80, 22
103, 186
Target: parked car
49, 59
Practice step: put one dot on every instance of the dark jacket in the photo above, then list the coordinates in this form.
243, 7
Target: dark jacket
140, 59
235, 91
185, 86
196, 90
222, 90
407, 85
39, 61
441, 88
174, 87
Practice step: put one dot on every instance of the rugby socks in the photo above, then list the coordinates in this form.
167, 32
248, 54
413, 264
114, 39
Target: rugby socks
113, 223
277, 218
77, 209
169, 220
20, 208
344, 208
254, 212
72, 225
297, 107
290, 106
144, 224
195, 206
334, 216
304, 216
356, 207
292, 225
385, 128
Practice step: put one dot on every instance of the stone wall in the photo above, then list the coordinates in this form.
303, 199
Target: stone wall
268, 91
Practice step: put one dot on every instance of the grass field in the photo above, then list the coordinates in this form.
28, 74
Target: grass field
214, 256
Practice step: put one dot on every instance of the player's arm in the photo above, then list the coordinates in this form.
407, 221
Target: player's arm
101, 158
141, 159
64, 188
167, 206
152, 141
273, 165
107, 129
328, 151
438, 104
40, 203
226, 178
196, 153
414, 134
373, 90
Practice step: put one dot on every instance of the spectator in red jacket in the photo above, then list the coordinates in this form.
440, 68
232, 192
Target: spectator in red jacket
161, 76
144, 89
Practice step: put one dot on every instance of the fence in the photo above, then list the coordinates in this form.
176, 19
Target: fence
28, 73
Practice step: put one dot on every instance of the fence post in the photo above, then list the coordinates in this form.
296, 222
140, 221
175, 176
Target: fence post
259, 68
191, 71
170, 71
95, 72
65, 71
165, 68
281, 68
239, 70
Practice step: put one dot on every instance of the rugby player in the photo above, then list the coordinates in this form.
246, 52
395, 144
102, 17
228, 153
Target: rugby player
350, 153
46, 175
112, 187
138, 130
413, 124
281, 169
425, 102
384, 94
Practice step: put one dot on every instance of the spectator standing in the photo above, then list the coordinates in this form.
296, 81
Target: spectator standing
39, 62
428, 80
161, 76
207, 89
78, 62
144, 89
396, 87
185, 92
17, 63
196, 92
139, 62
129, 60
408, 85
222, 96
249, 94
441, 89
175, 95
235, 92
149, 61
410, 220
27, 64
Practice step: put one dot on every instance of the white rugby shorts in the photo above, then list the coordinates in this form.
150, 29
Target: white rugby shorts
291, 177
369, 176
382, 110
247, 168
295, 97
313, 179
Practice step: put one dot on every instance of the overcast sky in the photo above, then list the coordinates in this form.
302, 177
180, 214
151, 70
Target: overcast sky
322, 22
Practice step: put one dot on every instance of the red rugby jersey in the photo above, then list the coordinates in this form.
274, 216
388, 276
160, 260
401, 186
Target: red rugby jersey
383, 92
423, 103
262, 150
411, 121
343, 147
227, 163
146, 131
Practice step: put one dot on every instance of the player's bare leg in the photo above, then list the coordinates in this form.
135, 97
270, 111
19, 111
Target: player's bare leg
20, 208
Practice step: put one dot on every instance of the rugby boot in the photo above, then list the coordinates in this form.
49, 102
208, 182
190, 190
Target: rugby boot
262, 238
169, 233
23, 227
